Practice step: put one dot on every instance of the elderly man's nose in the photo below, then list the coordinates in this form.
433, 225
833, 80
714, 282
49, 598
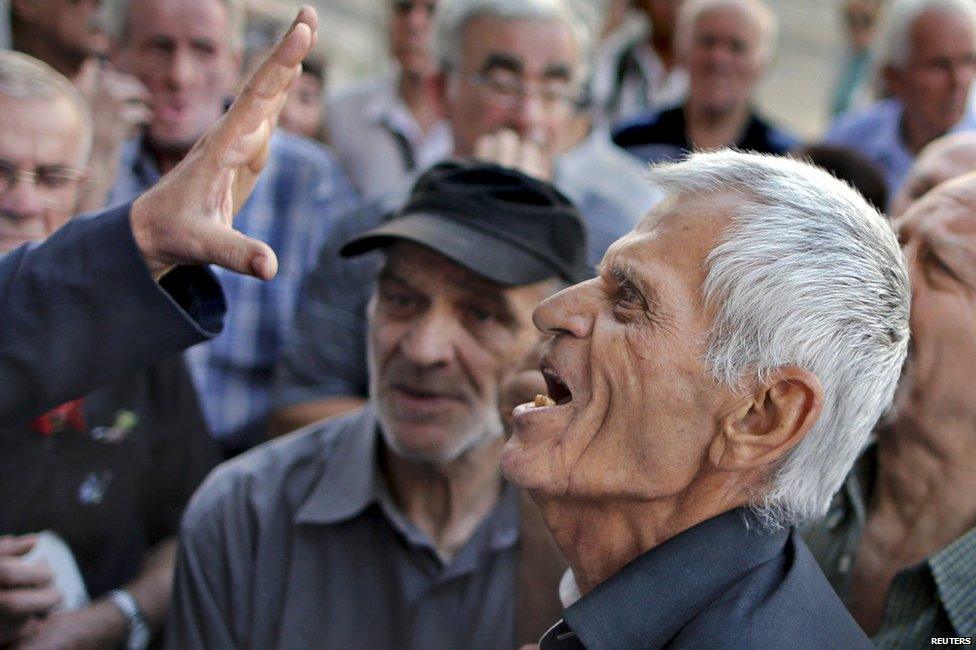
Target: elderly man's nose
181, 68
567, 312
429, 340
419, 18
21, 201
529, 116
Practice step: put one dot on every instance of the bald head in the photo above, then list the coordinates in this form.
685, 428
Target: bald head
941, 160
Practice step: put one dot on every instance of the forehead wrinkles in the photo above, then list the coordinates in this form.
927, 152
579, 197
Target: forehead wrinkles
426, 270
537, 44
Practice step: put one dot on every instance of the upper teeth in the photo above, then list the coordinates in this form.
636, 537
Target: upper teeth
544, 400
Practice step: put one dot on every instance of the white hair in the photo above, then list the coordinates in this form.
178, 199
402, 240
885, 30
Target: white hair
118, 12
757, 10
24, 77
807, 274
454, 15
891, 45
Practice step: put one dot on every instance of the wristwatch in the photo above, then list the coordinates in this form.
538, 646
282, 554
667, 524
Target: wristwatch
139, 633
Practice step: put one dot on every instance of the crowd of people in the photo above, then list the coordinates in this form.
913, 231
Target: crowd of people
549, 336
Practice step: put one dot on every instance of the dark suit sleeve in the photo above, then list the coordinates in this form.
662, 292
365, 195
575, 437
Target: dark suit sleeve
80, 310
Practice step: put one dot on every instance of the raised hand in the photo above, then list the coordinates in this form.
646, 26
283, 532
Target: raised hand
186, 218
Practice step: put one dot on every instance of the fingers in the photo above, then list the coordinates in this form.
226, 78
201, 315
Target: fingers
26, 586
16, 573
509, 149
237, 252
18, 604
260, 99
19, 545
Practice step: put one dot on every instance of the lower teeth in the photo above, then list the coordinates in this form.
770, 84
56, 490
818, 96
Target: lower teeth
544, 400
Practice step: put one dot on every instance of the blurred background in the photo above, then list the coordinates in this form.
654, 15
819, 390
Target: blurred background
795, 93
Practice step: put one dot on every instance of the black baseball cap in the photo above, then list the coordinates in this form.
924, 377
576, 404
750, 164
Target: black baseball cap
495, 221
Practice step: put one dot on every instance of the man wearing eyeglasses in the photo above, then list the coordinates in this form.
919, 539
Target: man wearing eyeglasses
510, 73
43, 152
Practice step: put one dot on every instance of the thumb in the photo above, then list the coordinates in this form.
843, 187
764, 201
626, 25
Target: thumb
237, 252
16, 545
87, 77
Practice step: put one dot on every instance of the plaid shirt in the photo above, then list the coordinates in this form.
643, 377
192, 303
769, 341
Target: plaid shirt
295, 203
935, 598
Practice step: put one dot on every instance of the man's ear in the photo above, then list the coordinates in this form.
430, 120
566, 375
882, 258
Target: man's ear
766, 424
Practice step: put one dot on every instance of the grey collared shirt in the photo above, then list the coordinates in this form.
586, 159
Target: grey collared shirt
297, 544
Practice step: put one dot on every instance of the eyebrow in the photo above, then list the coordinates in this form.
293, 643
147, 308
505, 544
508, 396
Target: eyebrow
558, 71
474, 290
625, 274
387, 274
499, 61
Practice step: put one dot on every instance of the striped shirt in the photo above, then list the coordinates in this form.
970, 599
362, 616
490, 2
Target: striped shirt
293, 207
935, 598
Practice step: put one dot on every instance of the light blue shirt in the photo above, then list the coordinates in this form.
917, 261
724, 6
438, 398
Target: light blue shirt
875, 133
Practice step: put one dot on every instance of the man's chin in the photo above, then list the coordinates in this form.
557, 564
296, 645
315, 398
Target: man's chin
171, 142
524, 466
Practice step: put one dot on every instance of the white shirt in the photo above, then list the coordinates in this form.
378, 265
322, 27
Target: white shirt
625, 90
377, 139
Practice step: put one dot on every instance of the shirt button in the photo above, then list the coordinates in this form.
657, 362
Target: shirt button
834, 519
844, 565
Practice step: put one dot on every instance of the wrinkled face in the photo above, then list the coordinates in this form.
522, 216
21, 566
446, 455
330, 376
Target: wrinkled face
302, 112
45, 137
411, 35
67, 25
636, 407
724, 61
499, 56
440, 339
931, 169
938, 235
180, 50
934, 83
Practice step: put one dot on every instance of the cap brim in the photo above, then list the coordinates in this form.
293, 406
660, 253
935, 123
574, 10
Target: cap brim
473, 249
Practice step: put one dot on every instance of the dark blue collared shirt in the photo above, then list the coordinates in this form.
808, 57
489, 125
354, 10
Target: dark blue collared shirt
725, 583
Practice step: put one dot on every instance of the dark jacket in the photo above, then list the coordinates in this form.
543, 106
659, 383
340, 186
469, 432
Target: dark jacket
725, 583
80, 310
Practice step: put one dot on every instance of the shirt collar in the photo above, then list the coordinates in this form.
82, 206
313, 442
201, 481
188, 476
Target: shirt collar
386, 108
349, 484
353, 482
648, 601
954, 571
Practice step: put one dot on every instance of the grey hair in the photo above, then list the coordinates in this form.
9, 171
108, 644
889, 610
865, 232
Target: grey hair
454, 15
117, 21
891, 46
758, 10
807, 274
24, 77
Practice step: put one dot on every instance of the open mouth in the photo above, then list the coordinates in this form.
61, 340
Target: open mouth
557, 390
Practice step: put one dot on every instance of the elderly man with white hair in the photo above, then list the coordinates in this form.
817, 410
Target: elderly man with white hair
707, 392
727, 46
926, 56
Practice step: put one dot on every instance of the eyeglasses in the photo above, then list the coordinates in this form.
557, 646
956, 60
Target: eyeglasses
507, 90
53, 182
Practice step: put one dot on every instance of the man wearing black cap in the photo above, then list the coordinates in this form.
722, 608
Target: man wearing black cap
392, 527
